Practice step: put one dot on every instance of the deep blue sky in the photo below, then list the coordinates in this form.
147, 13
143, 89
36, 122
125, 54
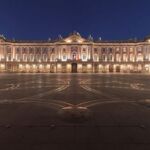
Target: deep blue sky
41, 19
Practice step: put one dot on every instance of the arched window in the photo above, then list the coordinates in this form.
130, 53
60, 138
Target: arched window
84, 57
139, 57
18, 57
44, 57
95, 57
38, 57
131, 57
110, 57
124, 57
24, 57
31, 57
118, 57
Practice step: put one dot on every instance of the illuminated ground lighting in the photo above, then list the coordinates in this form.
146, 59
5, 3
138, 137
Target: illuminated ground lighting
75, 114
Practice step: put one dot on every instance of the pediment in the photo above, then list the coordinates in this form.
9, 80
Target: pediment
74, 38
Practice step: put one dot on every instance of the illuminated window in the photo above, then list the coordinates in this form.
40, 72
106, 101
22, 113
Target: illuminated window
118, 57
124, 57
24, 57
110, 57
38, 57
18, 57
117, 49
139, 57
131, 57
84, 57
124, 50
64, 57
95, 57
44, 57
31, 57
131, 49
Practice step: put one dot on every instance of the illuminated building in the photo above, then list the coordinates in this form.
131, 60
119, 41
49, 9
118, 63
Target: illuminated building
75, 54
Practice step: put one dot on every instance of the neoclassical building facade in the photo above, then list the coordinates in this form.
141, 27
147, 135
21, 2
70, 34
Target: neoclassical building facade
75, 54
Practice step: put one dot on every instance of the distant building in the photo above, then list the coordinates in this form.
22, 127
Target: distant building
75, 54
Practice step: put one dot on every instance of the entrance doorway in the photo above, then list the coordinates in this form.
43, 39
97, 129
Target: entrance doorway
74, 67
111, 69
117, 68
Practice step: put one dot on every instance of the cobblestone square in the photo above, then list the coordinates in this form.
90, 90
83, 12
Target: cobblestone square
74, 111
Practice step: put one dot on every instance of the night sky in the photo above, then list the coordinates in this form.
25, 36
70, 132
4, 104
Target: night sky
43, 19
